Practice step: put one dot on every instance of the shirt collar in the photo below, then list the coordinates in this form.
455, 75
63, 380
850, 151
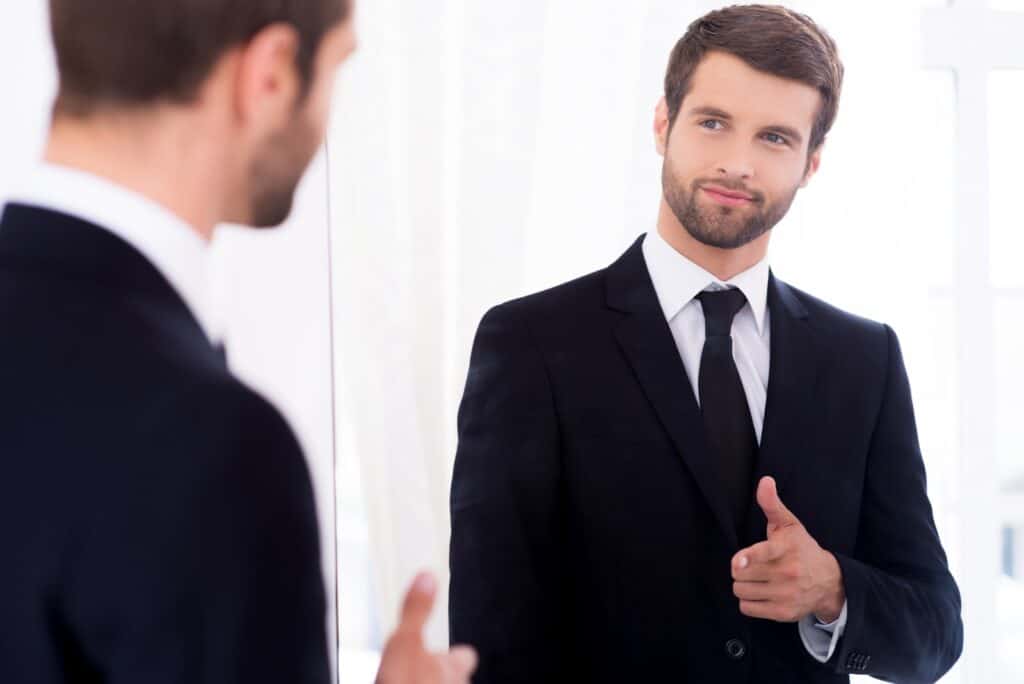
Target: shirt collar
677, 280
172, 246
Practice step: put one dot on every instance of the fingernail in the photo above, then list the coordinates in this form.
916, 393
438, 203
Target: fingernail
744, 562
425, 583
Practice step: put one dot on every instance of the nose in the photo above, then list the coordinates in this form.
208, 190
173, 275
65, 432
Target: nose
736, 162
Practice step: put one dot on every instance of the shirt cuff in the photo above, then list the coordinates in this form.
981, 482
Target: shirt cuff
820, 639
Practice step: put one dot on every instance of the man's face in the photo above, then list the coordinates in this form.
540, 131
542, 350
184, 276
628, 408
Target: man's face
280, 164
737, 152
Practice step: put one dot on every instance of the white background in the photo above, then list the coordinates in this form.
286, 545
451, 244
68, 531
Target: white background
481, 151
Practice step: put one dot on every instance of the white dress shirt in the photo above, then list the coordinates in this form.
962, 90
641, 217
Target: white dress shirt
173, 247
677, 282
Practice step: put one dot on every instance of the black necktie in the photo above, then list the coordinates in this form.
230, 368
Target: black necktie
723, 402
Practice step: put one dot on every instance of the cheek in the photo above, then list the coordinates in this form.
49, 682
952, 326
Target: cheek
691, 151
782, 180
689, 158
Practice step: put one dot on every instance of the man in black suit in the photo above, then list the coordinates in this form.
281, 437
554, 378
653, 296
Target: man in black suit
633, 499
156, 516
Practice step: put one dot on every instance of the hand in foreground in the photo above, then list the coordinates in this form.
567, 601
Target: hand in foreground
406, 660
788, 576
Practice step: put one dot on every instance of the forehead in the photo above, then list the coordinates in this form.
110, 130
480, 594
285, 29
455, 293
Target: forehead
726, 82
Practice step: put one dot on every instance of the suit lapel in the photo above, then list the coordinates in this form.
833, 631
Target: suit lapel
792, 411
646, 341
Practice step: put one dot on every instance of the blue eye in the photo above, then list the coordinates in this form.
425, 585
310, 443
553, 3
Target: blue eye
775, 139
710, 124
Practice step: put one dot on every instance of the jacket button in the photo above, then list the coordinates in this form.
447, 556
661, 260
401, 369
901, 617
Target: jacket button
736, 649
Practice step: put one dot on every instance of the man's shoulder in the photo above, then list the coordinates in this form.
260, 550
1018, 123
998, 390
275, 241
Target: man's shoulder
208, 435
122, 378
843, 330
826, 311
571, 300
221, 402
218, 426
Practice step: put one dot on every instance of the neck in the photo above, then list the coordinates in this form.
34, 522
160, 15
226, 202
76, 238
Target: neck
724, 264
164, 160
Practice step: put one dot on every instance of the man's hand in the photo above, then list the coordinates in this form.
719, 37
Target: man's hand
789, 576
406, 660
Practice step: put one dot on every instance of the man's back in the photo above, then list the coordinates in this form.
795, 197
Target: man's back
157, 515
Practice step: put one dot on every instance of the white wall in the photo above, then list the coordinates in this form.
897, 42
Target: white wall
29, 80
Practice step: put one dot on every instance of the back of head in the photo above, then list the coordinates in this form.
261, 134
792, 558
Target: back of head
124, 54
211, 108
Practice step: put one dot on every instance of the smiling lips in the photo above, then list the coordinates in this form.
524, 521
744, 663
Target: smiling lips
730, 198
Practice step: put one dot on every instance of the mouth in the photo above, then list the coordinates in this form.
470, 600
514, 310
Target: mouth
729, 198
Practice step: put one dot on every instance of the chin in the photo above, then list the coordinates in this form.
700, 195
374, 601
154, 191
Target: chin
267, 224
271, 214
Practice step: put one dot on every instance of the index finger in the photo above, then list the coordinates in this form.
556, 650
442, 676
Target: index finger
758, 554
419, 601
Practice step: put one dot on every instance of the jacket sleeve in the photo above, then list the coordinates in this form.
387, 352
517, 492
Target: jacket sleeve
904, 620
506, 550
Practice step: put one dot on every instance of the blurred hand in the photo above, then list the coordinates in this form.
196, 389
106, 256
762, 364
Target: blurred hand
788, 576
406, 660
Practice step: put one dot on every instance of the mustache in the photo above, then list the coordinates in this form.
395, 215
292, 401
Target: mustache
729, 184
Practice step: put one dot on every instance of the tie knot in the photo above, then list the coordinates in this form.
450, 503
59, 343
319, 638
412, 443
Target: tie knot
720, 307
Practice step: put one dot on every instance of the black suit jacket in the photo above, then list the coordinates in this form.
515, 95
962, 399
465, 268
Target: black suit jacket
590, 542
157, 522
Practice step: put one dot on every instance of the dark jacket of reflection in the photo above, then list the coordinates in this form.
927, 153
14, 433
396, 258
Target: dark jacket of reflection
590, 542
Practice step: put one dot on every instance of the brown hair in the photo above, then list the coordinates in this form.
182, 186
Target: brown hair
128, 53
771, 39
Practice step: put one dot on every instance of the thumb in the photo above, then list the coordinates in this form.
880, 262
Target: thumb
459, 663
774, 510
418, 603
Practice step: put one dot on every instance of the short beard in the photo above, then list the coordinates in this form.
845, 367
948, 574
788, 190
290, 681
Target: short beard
276, 172
719, 226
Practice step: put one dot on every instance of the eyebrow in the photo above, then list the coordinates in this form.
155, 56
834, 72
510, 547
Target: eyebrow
717, 113
710, 111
